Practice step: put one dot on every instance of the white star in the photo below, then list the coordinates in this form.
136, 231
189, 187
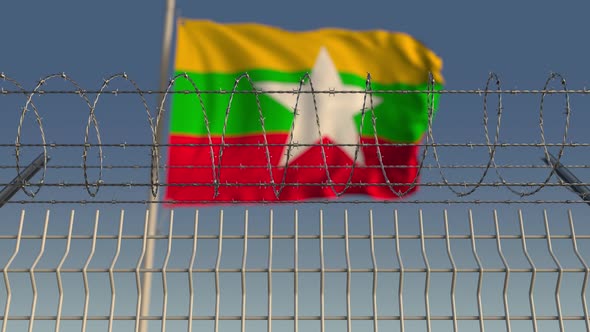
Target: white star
335, 111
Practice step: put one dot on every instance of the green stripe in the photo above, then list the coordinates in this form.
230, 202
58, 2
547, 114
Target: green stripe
399, 118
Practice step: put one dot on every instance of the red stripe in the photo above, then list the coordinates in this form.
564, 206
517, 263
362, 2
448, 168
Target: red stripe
251, 182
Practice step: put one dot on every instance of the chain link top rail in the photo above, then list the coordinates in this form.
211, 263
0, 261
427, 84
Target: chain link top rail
91, 99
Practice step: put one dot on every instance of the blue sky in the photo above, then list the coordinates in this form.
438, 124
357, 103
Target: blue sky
522, 41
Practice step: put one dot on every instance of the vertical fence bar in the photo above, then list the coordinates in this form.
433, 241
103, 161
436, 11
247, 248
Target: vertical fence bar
112, 274
375, 270
480, 273
270, 232
559, 274
191, 271
348, 273
58, 273
322, 271
506, 275
85, 272
586, 269
138, 274
148, 263
164, 270
32, 272
534, 273
7, 267
427, 281
454, 269
243, 274
217, 267
401, 274
296, 272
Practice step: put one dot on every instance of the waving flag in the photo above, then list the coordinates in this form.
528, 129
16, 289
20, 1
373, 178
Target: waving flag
287, 141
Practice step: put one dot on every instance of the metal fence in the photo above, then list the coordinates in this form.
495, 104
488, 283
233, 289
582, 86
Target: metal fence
487, 171
248, 278
491, 241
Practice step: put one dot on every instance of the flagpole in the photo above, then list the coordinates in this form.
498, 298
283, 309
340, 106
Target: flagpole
153, 205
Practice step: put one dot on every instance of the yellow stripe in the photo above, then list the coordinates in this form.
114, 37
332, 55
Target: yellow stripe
205, 46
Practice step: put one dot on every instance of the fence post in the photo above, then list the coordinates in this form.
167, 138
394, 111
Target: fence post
153, 205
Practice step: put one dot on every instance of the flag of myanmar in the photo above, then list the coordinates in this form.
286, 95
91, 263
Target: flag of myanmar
245, 147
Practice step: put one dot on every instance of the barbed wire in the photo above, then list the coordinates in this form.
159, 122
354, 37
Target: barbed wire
493, 88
